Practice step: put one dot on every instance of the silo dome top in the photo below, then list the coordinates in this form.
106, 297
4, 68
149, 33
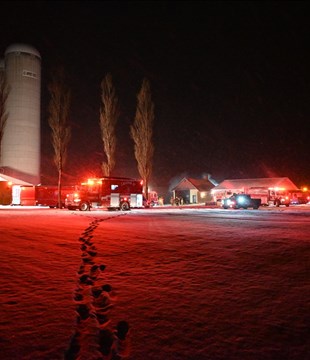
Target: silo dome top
23, 48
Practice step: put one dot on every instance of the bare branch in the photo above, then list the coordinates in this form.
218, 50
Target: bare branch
109, 114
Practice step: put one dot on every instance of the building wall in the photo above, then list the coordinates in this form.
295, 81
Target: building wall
20, 147
194, 196
5, 193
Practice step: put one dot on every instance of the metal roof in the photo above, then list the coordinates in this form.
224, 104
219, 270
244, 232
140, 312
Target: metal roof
281, 182
190, 183
13, 180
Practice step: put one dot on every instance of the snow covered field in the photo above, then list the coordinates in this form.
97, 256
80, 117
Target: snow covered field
193, 284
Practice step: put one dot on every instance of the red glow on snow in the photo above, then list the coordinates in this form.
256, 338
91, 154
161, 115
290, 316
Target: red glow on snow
191, 283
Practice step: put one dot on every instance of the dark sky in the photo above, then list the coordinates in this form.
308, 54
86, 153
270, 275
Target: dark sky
230, 82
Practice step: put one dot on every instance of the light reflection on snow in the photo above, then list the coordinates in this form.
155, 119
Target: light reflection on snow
192, 283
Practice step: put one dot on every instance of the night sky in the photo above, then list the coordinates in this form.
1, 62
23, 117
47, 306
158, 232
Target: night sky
230, 82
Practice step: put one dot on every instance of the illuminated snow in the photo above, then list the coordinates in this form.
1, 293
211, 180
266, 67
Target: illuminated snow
191, 283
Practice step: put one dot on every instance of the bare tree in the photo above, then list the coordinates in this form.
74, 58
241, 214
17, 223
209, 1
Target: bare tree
58, 120
4, 92
142, 132
109, 114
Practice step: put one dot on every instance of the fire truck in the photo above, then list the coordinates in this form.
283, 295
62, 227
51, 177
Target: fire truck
48, 195
300, 196
114, 193
40, 195
152, 198
271, 196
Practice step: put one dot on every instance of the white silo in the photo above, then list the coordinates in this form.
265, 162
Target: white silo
20, 146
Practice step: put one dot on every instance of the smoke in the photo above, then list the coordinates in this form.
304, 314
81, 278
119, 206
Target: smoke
175, 180
267, 171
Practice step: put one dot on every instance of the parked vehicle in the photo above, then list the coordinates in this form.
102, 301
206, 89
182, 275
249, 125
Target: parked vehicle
114, 193
271, 196
279, 197
39, 195
48, 195
152, 198
298, 197
241, 201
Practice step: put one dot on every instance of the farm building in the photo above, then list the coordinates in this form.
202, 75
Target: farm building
10, 189
193, 191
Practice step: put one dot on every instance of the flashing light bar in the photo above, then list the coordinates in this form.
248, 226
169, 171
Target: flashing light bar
276, 188
92, 182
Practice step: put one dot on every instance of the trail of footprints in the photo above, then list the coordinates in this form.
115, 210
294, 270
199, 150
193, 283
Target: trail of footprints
92, 340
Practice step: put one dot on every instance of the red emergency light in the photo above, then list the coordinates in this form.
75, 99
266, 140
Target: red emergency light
276, 188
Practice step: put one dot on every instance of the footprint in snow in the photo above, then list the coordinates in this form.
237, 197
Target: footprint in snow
83, 312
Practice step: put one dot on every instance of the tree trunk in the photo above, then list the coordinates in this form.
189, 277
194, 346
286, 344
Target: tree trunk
146, 190
59, 185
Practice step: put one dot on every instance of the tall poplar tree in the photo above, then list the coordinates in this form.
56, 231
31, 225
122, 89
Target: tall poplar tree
142, 133
60, 99
109, 114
